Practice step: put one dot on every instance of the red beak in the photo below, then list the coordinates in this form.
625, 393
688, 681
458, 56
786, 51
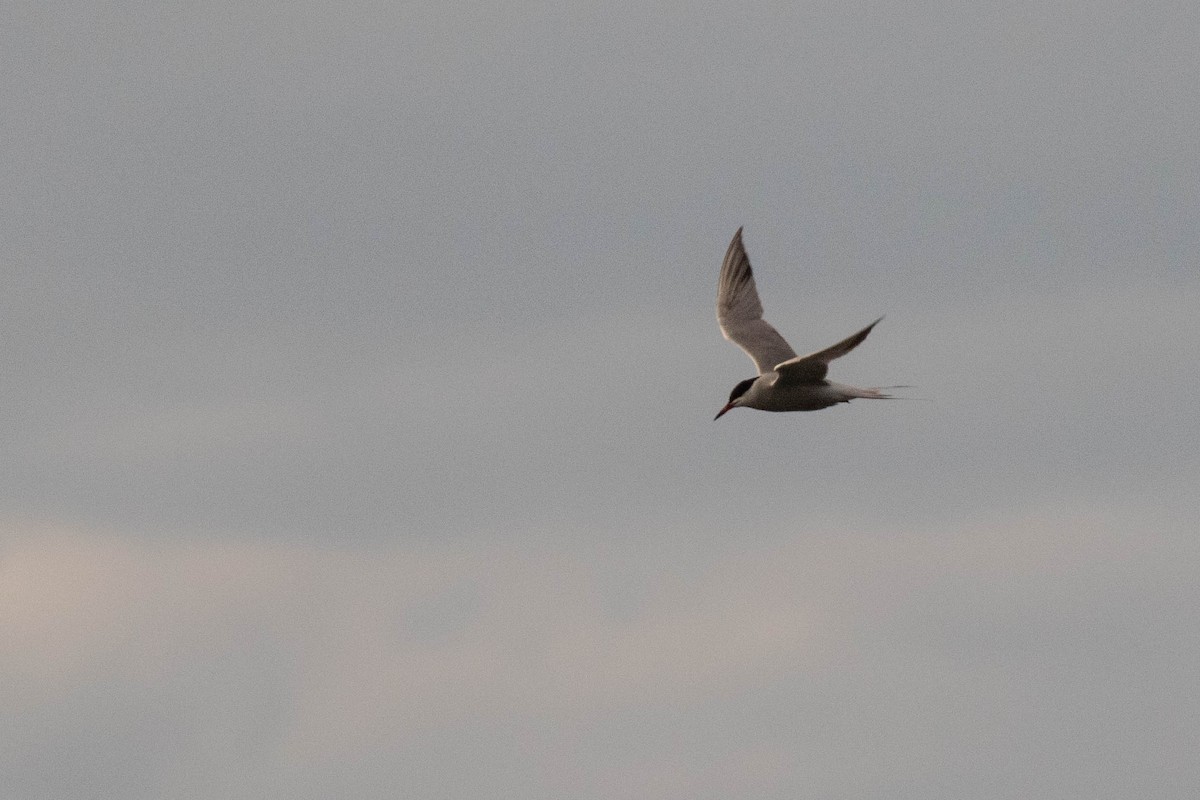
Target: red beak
722, 411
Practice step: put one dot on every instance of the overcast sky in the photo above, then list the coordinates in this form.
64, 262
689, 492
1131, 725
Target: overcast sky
359, 365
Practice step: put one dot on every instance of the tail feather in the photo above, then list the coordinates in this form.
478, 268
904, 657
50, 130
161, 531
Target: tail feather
876, 393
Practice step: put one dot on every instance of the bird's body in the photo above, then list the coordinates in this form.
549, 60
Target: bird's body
771, 392
786, 382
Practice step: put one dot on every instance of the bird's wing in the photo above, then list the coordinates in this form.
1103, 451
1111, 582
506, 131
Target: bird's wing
739, 311
812, 367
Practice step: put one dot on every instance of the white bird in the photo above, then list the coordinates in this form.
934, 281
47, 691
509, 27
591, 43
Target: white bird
785, 382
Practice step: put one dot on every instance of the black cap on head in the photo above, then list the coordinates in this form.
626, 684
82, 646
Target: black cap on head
741, 389
737, 392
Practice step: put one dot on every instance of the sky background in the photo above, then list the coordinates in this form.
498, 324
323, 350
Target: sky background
359, 364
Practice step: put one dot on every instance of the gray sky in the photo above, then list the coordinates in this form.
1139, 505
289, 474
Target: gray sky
360, 366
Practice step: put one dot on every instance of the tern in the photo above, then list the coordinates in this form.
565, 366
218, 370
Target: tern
785, 381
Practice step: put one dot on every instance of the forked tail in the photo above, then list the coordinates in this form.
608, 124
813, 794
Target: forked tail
876, 392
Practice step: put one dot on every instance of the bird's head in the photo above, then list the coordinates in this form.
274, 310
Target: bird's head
735, 397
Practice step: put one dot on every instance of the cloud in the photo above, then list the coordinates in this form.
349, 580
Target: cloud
386, 656
360, 366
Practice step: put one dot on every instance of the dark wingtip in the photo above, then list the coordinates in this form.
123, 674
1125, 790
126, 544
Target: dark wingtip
735, 244
863, 333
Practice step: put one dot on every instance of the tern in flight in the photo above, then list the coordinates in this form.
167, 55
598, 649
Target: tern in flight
786, 381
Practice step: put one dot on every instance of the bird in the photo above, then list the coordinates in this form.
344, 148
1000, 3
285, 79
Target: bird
785, 381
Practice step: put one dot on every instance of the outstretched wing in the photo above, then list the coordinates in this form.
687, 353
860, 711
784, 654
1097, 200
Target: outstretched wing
739, 311
812, 367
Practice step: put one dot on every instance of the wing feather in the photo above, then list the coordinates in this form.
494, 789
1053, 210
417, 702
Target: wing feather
812, 367
739, 311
